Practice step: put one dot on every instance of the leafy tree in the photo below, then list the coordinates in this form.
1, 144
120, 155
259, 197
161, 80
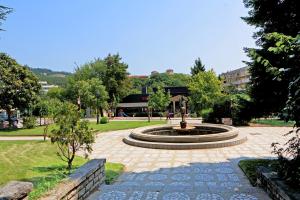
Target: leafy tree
205, 89
289, 154
72, 134
19, 88
167, 80
198, 67
98, 96
91, 94
159, 100
3, 12
56, 93
115, 76
269, 93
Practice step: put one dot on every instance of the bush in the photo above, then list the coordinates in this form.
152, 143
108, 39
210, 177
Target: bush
237, 107
29, 122
205, 113
104, 120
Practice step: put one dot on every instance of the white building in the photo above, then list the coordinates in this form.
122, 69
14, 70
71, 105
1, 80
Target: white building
46, 87
238, 78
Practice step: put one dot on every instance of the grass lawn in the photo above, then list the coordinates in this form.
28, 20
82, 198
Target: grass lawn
37, 162
111, 126
121, 125
273, 122
249, 167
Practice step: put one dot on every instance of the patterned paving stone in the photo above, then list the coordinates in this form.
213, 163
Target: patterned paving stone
208, 196
243, 197
210, 174
113, 195
157, 177
180, 177
176, 196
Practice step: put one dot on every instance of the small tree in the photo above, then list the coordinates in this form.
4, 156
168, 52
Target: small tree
72, 134
205, 89
198, 67
159, 100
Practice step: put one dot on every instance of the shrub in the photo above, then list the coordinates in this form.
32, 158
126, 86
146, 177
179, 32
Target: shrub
104, 120
29, 122
204, 113
236, 107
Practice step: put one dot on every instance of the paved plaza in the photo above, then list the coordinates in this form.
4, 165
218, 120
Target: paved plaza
208, 174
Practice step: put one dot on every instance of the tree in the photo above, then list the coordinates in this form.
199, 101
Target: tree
205, 89
3, 12
269, 93
115, 77
72, 134
159, 100
98, 97
198, 67
289, 153
19, 88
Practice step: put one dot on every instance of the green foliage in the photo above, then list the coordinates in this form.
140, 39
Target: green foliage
104, 120
52, 77
198, 67
273, 122
205, 90
112, 172
167, 80
72, 134
57, 93
29, 122
3, 12
237, 107
159, 100
19, 88
268, 90
275, 73
37, 163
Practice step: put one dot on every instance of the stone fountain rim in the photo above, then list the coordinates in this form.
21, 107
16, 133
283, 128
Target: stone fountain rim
229, 132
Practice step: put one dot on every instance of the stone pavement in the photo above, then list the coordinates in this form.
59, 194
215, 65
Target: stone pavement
154, 174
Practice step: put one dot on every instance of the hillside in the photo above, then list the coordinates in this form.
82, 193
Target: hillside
52, 77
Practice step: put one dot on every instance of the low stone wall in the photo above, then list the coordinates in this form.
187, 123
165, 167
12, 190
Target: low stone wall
274, 186
80, 184
15, 190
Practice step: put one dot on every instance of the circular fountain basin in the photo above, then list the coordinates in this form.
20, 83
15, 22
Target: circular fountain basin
195, 136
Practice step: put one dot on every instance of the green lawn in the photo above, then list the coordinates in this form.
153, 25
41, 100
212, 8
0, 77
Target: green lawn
249, 167
37, 162
111, 126
121, 125
273, 122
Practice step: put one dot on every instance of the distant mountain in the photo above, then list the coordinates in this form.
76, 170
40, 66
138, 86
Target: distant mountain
52, 77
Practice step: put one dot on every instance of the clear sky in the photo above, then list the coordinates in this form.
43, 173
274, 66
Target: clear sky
149, 35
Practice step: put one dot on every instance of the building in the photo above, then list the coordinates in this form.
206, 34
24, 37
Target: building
137, 104
169, 71
46, 87
238, 78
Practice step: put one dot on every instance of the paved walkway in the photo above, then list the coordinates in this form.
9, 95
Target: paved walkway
153, 174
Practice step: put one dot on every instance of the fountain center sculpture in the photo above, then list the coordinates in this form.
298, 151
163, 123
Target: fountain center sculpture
182, 104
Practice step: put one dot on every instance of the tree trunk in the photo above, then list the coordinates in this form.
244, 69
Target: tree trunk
40, 120
101, 112
97, 114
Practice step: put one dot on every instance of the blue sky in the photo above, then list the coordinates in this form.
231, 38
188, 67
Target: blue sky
149, 35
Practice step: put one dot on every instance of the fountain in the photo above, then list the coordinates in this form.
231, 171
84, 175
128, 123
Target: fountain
192, 136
